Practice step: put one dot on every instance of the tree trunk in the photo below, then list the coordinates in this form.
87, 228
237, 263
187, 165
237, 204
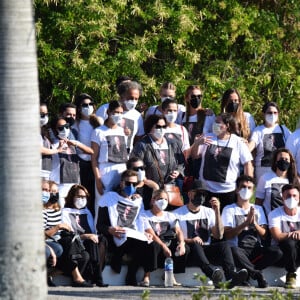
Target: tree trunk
22, 250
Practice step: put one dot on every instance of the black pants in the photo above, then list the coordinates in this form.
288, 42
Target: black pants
157, 257
140, 255
257, 258
87, 179
208, 256
291, 254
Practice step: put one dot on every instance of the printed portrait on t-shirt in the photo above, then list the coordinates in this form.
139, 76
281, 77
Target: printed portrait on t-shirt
216, 163
117, 151
276, 195
128, 124
198, 228
126, 215
173, 137
160, 227
248, 238
193, 130
288, 226
69, 168
271, 142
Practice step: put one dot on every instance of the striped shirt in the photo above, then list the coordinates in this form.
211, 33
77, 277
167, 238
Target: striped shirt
51, 218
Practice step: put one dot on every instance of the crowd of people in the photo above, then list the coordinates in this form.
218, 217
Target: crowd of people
105, 173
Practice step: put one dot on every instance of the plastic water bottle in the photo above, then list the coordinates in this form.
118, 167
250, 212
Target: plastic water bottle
169, 272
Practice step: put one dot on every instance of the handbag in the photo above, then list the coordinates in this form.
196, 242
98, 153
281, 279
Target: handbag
174, 195
72, 244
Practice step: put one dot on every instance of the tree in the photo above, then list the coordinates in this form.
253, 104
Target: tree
22, 250
250, 45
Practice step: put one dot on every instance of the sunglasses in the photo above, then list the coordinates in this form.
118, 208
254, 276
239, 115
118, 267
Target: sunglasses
43, 115
138, 168
87, 104
62, 127
128, 183
197, 96
160, 126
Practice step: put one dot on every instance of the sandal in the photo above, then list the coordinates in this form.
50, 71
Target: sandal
144, 283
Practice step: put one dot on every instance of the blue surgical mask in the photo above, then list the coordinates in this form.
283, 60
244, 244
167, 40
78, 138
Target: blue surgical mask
129, 190
45, 197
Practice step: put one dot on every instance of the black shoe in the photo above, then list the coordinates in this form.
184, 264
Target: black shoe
101, 284
246, 283
262, 282
83, 284
217, 277
50, 281
238, 278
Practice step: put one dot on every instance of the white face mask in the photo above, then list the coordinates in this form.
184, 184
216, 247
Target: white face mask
171, 117
64, 134
291, 202
44, 121
141, 174
161, 204
217, 130
271, 119
130, 104
87, 111
245, 194
80, 202
116, 119
159, 133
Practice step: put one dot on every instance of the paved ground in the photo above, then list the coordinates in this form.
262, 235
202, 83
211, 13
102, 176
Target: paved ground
155, 293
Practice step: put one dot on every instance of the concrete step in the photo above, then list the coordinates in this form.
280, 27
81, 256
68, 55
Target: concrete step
274, 275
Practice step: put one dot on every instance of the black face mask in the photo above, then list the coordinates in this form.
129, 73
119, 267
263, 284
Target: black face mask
199, 199
53, 198
70, 120
232, 107
282, 165
195, 101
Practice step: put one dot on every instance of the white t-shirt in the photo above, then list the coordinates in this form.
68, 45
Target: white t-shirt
269, 190
125, 213
196, 224
112, 144
279, 219
267, 140
131, 119
191, 129
154, 110
180, 134
221, 161
233, 216
134, 121
160, 224
293, 144
84, 129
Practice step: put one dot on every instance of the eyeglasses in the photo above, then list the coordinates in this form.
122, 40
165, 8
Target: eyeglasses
138, 168
128, 183
272, 113
62, 127
160, 126
87, 104
43, 115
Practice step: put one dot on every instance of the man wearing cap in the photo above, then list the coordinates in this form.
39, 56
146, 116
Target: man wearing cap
245, 226
198, 223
